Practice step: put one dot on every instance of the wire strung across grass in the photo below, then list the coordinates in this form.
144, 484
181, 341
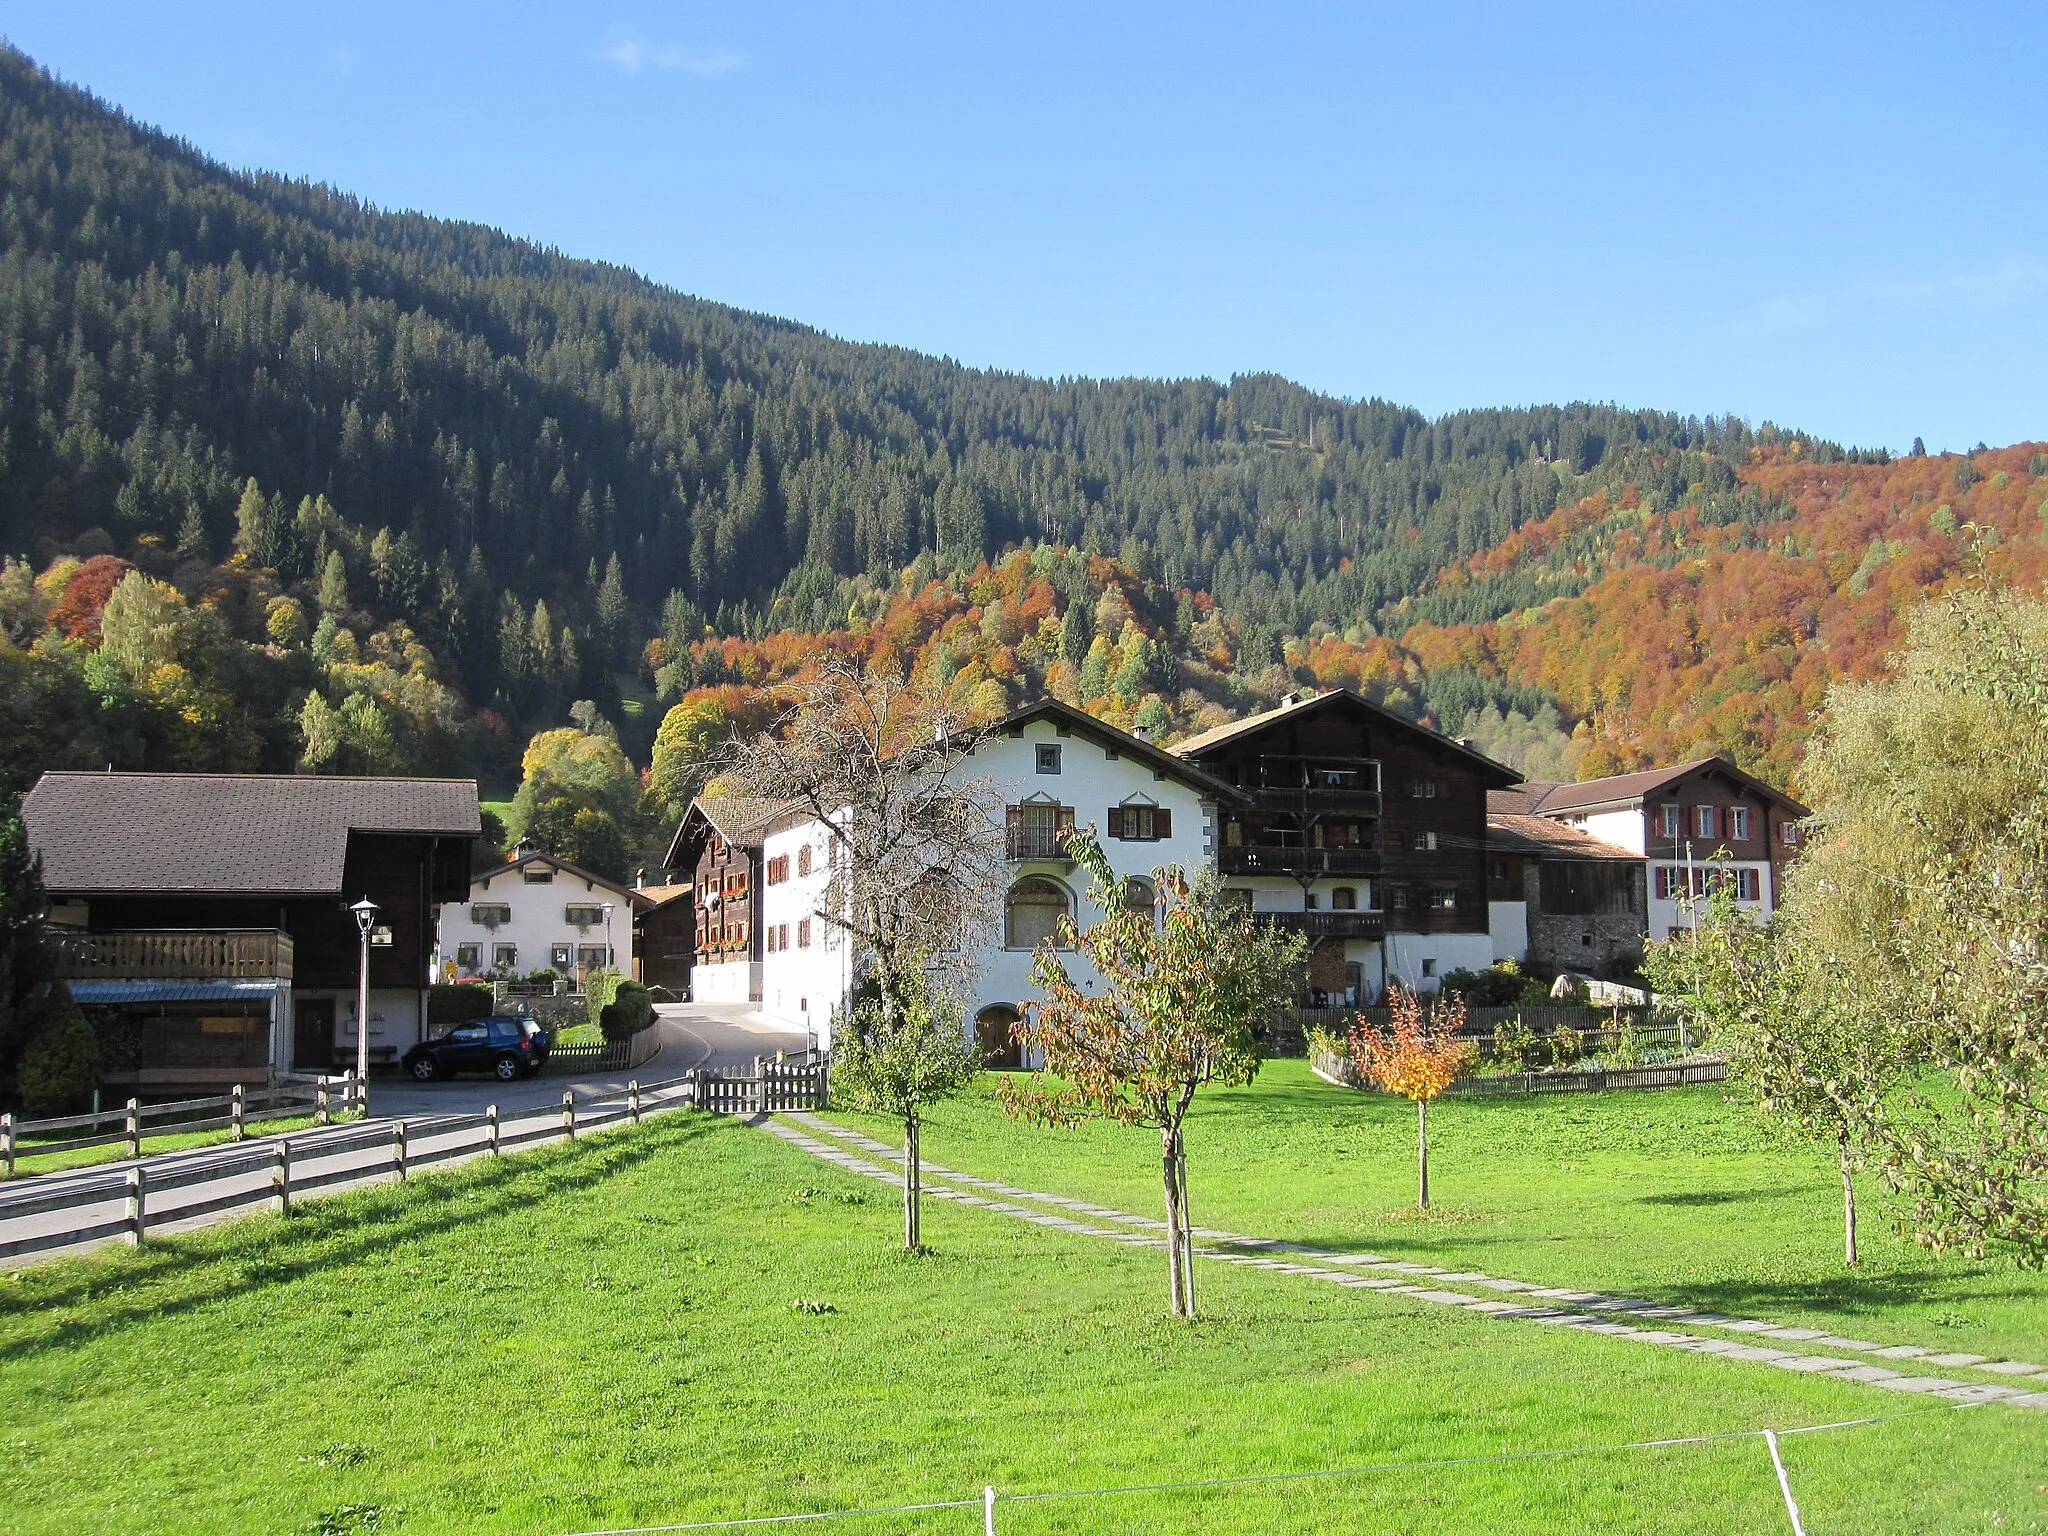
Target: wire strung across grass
1283, 1477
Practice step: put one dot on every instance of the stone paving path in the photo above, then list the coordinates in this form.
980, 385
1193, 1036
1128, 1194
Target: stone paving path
2025, 1386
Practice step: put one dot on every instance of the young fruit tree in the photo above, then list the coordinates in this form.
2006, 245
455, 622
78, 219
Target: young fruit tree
1805, 1050
1918, 917
898, 1064
917, 873
1184, 983
1418, 1057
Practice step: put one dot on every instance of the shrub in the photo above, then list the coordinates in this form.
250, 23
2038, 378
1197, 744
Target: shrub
61, 1066
457, 1003
1515, 1045
630, 1011
1328, 1041
1498, 986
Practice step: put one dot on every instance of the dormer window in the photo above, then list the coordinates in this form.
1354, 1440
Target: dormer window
537, 874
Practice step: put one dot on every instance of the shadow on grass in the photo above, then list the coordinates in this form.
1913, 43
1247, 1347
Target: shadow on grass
1705, 1197
125, 1287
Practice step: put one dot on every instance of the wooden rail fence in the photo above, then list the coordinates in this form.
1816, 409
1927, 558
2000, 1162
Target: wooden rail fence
1661, 1074
235, 1110
87, 1208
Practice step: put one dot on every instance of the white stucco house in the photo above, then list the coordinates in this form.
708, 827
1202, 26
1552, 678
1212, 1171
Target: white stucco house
535, 912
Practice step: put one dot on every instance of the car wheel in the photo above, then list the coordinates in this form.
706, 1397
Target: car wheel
508, 1068
425, 1070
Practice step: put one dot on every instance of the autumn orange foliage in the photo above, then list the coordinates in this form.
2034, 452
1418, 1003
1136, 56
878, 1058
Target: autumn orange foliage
1418, 1057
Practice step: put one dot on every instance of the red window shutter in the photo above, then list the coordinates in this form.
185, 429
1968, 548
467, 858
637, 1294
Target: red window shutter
1162, 823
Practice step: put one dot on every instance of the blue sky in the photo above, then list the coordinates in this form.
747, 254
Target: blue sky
1832, 217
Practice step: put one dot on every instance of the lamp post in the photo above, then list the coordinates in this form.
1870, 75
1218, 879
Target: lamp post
610, 959
366, 914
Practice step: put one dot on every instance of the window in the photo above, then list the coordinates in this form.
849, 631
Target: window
769, 939
505, 957
1032, 913
1310, 901
1397, 898
469, 1034
1789, 834
1444, 898
736, 883
1705, 822
558, 956
1344, 899
803, 861
490, 916
1140, 823
537, 874
583, 917
1667, 821
592, 957
1422, 789
1748, 885
468, 957
1034, 829
803, 934
1139, 894
1233, 833
1738, 824
1048, 757
782, 935
777, 870
1425, 842
1429, 967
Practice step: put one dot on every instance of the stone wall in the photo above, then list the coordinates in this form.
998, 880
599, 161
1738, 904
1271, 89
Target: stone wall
1598, 942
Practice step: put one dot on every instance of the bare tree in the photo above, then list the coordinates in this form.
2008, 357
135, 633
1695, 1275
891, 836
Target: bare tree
916, 855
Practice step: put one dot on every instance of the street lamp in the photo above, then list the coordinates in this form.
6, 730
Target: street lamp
366, 914
611, 960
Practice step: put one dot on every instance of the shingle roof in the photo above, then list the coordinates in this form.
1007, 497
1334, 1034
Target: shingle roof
226, 832
1541, 837
737, 816
1519, 799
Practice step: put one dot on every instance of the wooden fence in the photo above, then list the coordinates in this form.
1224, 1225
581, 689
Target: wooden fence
58, 1212
235, 1110
636, 1050
1663, 1074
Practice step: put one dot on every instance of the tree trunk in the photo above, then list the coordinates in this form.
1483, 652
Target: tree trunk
1849, 1255
1176, 1293
1422, 1154
1187, 1227
913, 1237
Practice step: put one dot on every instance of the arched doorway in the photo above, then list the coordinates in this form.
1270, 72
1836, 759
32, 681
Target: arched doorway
1000, 1051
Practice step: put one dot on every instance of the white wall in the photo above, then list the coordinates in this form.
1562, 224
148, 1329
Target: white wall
1447, 952
725, 983
801, 985
1507, 924
538, 923
1666, 915
1624, 829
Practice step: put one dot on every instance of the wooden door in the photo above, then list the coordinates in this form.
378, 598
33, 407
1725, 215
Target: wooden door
313, 1034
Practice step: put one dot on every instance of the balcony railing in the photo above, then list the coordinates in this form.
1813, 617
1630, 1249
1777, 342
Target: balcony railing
1036, 843
1266, 859
174, 954
1326, 800
1330, 925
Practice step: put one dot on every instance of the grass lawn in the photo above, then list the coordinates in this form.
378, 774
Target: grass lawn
605, 1334
28, 1160
1680, 1195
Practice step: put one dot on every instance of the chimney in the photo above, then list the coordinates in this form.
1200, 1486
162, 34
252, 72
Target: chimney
1142, 732
1289, 700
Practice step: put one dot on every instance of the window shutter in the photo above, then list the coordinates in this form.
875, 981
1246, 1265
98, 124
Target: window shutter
1013, 821
1162, 823
1065, 820
1113, 823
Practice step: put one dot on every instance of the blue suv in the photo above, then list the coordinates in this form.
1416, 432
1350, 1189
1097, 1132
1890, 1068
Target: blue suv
504, 1045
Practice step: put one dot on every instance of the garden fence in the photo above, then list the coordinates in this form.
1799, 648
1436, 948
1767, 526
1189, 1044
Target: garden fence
635, 1051
52, 1213
1663, 1074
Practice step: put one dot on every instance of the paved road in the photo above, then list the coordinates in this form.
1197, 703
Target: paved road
693, 1035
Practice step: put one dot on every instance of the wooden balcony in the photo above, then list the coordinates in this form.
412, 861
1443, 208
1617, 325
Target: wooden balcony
1330, 925
1268, 859
1036, 843
176, 954
1319, 801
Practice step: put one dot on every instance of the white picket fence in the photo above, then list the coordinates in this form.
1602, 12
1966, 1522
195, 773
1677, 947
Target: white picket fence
56, 1213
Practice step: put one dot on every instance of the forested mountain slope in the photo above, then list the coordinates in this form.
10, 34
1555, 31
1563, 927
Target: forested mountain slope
296, 482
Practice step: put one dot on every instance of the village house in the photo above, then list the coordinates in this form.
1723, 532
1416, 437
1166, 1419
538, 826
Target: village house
536, 912
664, 935
202, 919
1361, 830
1558, 899
761, 872
1699, 822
